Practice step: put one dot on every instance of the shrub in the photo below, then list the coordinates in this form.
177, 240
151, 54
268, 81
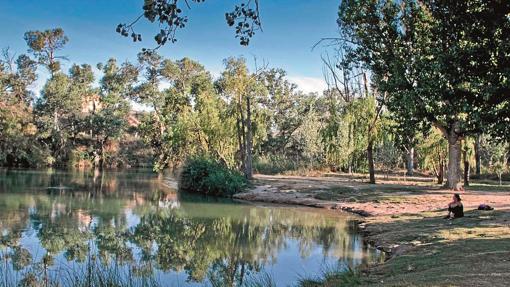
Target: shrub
206, 176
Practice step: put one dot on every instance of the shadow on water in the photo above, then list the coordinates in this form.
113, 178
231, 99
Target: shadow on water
127, 229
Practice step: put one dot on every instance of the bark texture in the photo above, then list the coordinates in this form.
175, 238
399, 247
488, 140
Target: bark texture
466, 165
249, 141
410, 161
454, 155
370, 156
477, 155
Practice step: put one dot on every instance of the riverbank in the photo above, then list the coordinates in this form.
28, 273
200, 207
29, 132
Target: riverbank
404, 219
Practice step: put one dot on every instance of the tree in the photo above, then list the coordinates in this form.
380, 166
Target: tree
284, 110
242, 88
107, 119
433, 150
187, 117
44, 45
169, 15
432, 58
499, 158
18, 145
60, 112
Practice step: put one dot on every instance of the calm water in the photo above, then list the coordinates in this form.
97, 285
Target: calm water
127, 228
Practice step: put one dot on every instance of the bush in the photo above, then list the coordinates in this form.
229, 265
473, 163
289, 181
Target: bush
206, 176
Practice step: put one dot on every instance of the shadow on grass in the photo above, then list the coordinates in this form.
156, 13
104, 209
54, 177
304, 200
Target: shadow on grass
375, 193
481, 186
431, 251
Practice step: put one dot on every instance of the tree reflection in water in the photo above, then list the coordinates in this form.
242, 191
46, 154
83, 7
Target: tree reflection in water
80, 228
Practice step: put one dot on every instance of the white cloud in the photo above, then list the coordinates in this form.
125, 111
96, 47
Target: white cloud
309, 84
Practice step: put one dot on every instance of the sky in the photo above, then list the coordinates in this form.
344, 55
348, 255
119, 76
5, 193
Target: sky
290, 29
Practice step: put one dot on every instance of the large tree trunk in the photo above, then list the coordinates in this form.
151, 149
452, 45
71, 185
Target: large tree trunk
249, 141
454, 171
410, 161
370, 156
477, 155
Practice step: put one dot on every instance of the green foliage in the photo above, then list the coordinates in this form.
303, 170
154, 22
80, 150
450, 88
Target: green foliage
499, 159
59, 110
206, 176
346, 132
18, 134
438, 62
188, 117
433, 151
169, 14
45, 44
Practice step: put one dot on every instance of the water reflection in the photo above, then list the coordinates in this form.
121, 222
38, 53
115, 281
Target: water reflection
115, 228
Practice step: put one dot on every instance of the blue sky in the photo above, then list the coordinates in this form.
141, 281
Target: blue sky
291, 28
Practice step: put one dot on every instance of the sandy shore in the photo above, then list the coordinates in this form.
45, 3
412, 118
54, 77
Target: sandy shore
364, 199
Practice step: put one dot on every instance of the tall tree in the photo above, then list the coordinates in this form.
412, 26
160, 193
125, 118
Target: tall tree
44, 45
178, 126
18, 146
107, 118
285, 109
242, 89
60, 109
440, 61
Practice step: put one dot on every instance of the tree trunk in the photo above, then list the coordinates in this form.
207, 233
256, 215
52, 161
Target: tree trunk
440, 176
466, 165
370, 157
454, 172
349, 163
241, 145
249, 141
101, 160
466, 173
477, 155
410, 161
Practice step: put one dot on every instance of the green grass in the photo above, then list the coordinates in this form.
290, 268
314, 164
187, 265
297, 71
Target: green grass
333, 276
371, 193
431, 251
488, 186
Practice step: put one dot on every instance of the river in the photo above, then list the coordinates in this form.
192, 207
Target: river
70, 228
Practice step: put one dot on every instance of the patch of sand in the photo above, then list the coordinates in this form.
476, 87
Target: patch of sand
301, 190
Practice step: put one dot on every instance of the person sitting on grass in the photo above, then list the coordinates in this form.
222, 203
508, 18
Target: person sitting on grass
455, 208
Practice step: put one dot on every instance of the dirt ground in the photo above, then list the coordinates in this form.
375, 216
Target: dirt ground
404, 218
390, 196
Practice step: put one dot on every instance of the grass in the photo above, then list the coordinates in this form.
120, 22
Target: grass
394, 193
333, 276
263, 279
488, 186
431, 251
370, 193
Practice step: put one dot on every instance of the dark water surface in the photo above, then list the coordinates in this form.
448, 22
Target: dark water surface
126, 228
